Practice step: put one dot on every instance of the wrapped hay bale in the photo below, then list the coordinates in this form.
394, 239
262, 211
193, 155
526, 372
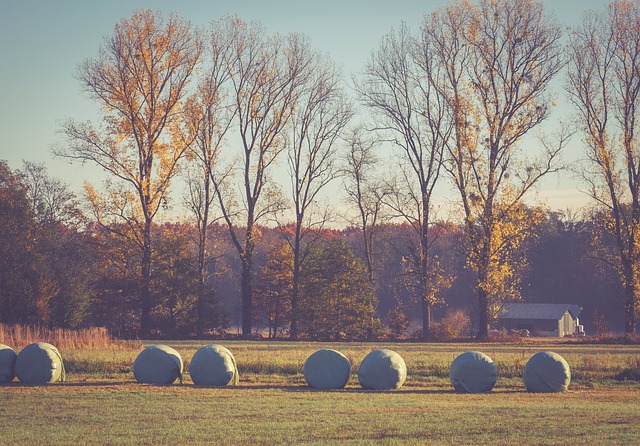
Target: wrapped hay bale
327, 369
158, 364
7, 364
473, 372
382, 370
547, 372
213, 365
40, 363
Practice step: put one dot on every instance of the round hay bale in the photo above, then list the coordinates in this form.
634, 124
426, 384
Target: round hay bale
547, 372
382, 370
158, 364
327, 369
40, 363
473, 372
213, 365
7, 364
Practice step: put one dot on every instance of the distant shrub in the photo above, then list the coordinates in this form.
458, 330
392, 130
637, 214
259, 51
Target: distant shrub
611, 338
504, 336
398, 322
600, 324
455, 324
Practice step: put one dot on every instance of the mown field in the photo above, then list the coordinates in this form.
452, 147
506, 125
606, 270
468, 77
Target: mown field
102, 404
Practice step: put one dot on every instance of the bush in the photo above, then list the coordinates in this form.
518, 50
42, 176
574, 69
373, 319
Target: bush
398, 322
455, 324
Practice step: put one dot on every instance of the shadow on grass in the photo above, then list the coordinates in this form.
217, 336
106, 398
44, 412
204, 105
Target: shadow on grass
282, 388
398, 391
68, 384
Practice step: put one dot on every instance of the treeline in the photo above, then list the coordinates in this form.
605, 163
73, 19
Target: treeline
257, 126
61, 270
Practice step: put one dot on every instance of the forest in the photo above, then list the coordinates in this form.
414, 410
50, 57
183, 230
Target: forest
250, 190
63, 270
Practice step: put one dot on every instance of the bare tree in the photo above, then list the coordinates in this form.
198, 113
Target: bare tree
364, 190
398, 85
320, 116
266, 75
499, 58
139, 79
207, 118
604, 83
51, 200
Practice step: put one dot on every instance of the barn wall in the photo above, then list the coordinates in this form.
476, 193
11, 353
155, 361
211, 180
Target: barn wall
537, 327
561, 325
567, 324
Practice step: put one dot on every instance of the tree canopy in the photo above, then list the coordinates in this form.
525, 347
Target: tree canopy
252, 129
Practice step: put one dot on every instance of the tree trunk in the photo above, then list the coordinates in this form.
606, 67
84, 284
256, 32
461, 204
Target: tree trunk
276, 316
424, 266
247, 294
145, 284
630, 297
483, 295
295, 288
426, 319
295, 291
202, 260
201, 305
483, 314
247, 280
485, 257
366, 237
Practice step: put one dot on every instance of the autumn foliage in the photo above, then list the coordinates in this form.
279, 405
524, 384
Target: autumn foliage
193, 232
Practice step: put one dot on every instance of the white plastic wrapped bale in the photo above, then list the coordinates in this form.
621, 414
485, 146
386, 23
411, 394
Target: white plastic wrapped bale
40, 363
7, 364
473, 372
327, 369
158, 364
547, 372
213, 365
382, 370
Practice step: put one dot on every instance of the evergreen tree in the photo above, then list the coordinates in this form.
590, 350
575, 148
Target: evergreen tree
337, 299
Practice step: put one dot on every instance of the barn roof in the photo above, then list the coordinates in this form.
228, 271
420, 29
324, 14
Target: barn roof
538, 311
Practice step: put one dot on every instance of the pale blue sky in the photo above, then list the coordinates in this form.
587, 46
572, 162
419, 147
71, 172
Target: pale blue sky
42, 42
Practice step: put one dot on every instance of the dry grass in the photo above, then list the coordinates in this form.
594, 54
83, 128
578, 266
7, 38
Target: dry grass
95, 338
92, 355
102, 404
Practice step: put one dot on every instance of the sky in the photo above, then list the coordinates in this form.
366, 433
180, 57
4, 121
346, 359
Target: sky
43, 41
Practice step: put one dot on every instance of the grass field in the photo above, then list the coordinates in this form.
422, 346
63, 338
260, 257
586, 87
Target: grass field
102, 404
